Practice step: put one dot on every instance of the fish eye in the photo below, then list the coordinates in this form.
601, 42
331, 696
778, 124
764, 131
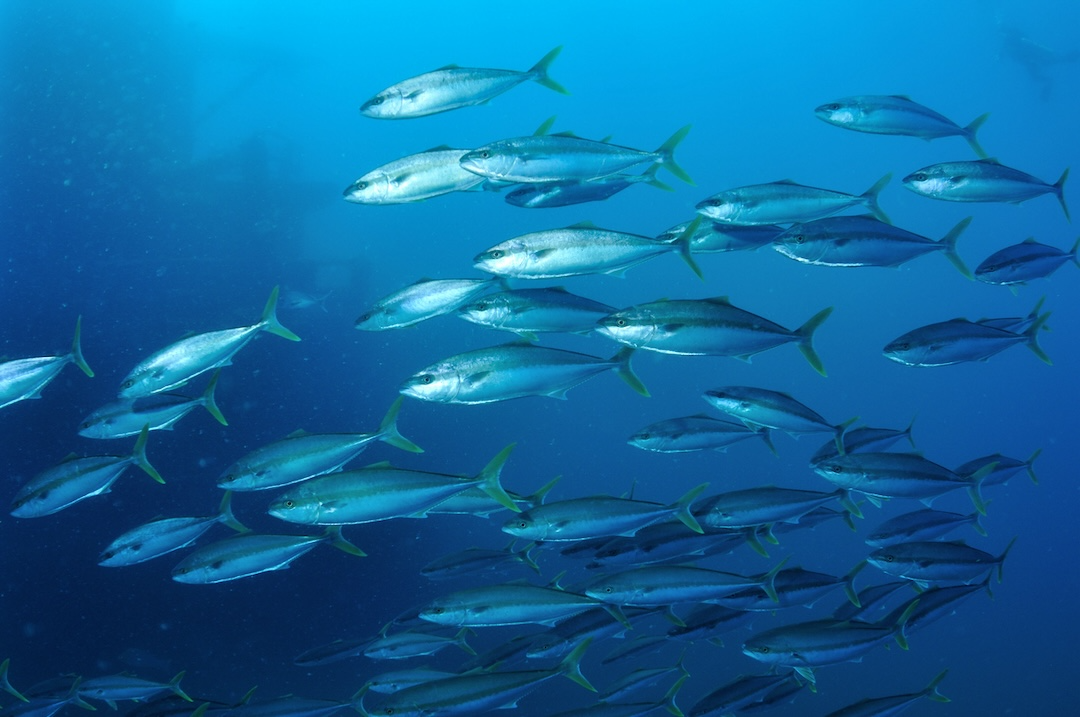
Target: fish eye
360, 185
919, 177
902, 347
799, 238
288, 503
485, 154
482, 306
437, 611
496, 253
835, 468
888, 558
608, 589
128, 384
716, 202
831, 107
523, 524
644, 436
376, 101
426, 379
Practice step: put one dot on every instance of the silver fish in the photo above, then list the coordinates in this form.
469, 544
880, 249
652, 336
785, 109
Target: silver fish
921, 525
452, 87
21, 379
159, 411
113, 688
893, 704
414, 178
695, 433
179, 362
544, 195
924, 562
712, 237
959, 341
786, 202
984, 180
763, 408
528, 312
422, 300
1024, 262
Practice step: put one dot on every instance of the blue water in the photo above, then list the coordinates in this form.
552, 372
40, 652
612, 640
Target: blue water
166, 164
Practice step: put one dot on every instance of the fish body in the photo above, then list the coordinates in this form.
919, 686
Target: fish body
574, 251
114, 688
708, 622
159, 411
179, 362
922, 525
764, 408
452, 87
961, 341
864, 241
1003, 467
896, 475
984, 180
544, 195
423, 300
381, 492
864, 439
795, 587
477, 560
763, 505
527, 312
77, 479
506, 604
694, 433
660, 585
21, 379
388, 683
414, 178
333, 652
510, 371
707, 327
713, 237
786, 202
732, 697
924, 562
307, 455
1024, 262
403, 645
897, 115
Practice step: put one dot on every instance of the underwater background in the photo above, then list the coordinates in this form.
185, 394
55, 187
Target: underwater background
165, 164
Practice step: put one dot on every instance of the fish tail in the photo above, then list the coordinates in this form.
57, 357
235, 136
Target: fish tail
975, 490
682, 508
1031, 466
538, 497
357, 700
684, 244
269, 321
1072, 252
5, 684
870, 198
650, 179
909, 434
849, 584
667, 155
174, 685
669, 698
76, 349
850, 507
459, 640
768, 581
901, 624
931, 690
489, 479
1032, 336
841, 429
209, 402
948, 244
626, 372
751, 535
976, 523
225, 514
969, 135
1001, 560
540, 70
1059, 192
526, 557
766, 435
139, 454
388, 430
336, 539
805, 334
570, 667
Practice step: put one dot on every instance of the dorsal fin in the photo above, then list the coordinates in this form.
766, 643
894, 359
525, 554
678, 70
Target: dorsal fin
448, 67
583, 225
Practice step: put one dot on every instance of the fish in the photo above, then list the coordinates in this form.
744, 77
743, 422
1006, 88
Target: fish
713, 237
333, 652
921, 525
873, 598
661, 543
594, 623
1004, 467
897, 115
479, 560
77, 479
159, 411
577, 250
805, 646
528, 312
604, 708
894, 704
114, 688
179, 362
21, 379
295, 300
160, 537
475, 501
512, 604
708, 327
863, 439
452, 87
707, 622
786, 202
795, 587
425, 299
477, 691
381, 492
935, 603
5, 683
388, 683
250, 554
764, 408
864, 241
984, 180
924, 562
514, 370
960, 341
599, 516
414, 178
733, 697
305, 455
565, 157
663, 585
1024, 262
639, 679
403, 645
290, 706
763, 505
545, 195
695, 433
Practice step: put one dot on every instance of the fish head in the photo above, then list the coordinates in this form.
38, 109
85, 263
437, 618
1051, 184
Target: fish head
613, 591
936, 180
800, 243
507, 259
839, 471
377, 318
633, 327
195, 572
241, 477
525, 526
723, 207
648, 441
884, 560
445, 611
94, 426
488, 311
372, 188
385, 105
438, 384
843, 113
729, 402
488, 161
294, 507
30, 504
142, 382
766, 651
909, 352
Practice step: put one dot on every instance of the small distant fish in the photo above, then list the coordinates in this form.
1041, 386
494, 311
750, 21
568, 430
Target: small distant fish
959, 341
984, 180
5, 684
898, 115
566, 157
160, 537
21, 379
695, 433
1004, 467
544, 195
295, 300
179, 362
713, 237
924, 562
388, 683
511, 604
663, 585
114, 688
764, 408
922, 525
708, 327
403, 645
77, 479
894, 704
528, 312
1024, 262
864, 241
478, 560
761, 506
251, 554
414, 178
422, 300
511, 371
743, 692
453, 87
333, 652
159, 411
785, 202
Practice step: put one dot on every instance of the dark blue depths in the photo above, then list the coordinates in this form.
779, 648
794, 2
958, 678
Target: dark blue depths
167, 164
